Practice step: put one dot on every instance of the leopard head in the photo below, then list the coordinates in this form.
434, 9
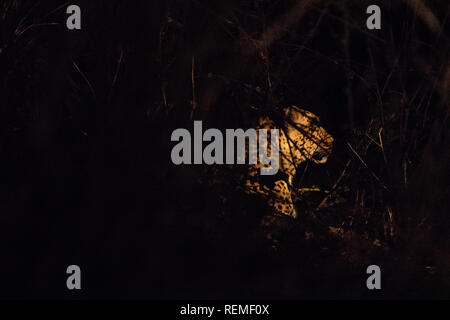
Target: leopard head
307, 138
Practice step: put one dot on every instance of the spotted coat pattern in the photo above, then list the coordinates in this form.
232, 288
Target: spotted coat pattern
302, 138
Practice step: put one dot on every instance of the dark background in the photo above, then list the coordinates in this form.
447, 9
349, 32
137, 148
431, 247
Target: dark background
85, 170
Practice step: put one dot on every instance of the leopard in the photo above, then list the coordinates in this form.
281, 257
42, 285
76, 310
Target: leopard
301, 138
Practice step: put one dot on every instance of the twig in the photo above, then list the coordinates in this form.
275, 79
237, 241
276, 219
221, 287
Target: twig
194, 100
365, 164
338, 181
85, 78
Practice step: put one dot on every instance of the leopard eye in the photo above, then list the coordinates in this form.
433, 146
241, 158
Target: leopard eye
314, 121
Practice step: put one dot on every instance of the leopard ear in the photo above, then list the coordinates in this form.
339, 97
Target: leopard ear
291, 108
287, 111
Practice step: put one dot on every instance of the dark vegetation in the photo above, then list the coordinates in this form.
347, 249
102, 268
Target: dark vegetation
85, 171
